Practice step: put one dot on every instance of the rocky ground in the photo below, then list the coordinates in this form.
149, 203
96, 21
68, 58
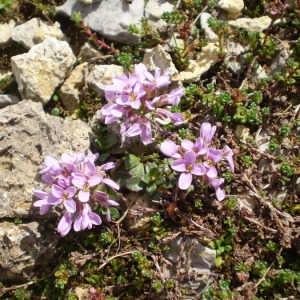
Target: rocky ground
238, 62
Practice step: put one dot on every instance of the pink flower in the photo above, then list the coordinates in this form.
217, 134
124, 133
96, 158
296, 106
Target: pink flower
64, 196
206, 133
188, 167
86, 219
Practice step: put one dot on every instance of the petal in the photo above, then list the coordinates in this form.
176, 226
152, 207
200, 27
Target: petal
84, 196
78, 223
170, 149
94, 218
211, 172
214, 155
187, 145
64, 225
198, 170
220, 194
40, 194
179, 165
112, 203
70, 205
79, 180
71, 190
190, 157
185, 180
94, 180
111, 183
57, 191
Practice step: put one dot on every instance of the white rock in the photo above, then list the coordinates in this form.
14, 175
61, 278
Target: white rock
101, 75
6, 31
154, 10
253, 25
210, 35
6, 100
36, 31
40, 71
110, 18
232, 6
88, 1
158, 57
70, 90
207, 58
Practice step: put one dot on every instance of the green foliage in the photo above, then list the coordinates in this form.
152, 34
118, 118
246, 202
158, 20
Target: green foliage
5, 4
143, 264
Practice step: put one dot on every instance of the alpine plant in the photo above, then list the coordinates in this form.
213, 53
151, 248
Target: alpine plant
73, 184
199, 158
136, 103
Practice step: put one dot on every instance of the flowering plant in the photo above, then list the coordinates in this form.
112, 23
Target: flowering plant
135, 101
199, 159
73, 183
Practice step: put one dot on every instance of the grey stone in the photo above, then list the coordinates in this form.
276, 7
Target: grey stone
110, 18
195, 261
23, 249
6, 100
40, 71
36, 31
27, 136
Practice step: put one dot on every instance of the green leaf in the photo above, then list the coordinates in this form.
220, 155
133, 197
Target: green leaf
138, 171
133, 184
55, 112
151, 188
114, 213
218, 261
131, 161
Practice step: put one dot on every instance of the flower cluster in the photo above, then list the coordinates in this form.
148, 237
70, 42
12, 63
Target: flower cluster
134, 100
199, 159
73, 182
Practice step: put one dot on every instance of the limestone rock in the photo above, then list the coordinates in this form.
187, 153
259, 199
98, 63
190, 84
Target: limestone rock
110, 18
23, 249
70, 90
40, 71
158, 57
253, 25
6, 31
6, 100
35, 31
210, 35
232, 6
207, 58
27, 136
154, 10
101, 75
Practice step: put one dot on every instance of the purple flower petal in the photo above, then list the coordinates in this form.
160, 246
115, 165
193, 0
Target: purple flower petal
111, 183
198, 170
70, 205
94, 180
57, 191
84, 196
170, 149
65, 224
179, 165
185, 180
79, 180
190, 157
